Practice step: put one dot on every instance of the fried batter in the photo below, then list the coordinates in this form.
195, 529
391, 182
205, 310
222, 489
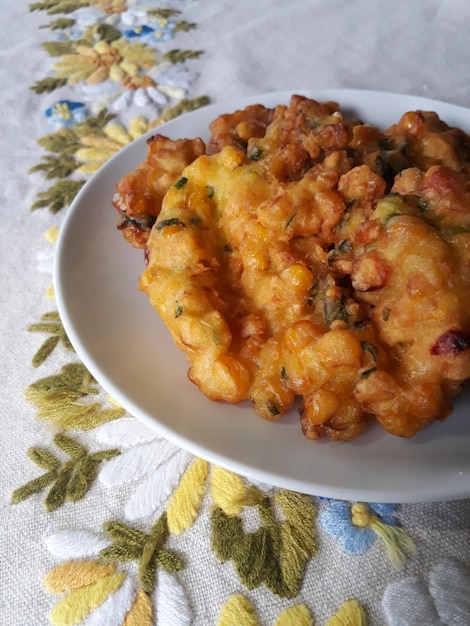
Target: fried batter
309, 257
139, 194
235, 129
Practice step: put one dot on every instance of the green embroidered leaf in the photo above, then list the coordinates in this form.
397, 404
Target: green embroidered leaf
184, 27
132, 544
62, 23
226, 532
274, 555
43, 458
73, 382
58, 48
125, 535
184, 106
84, 472
251, 556
120, 553
70, 479
50, 324
48, 85
56, 167
62, 399
92, 124
180, 56
33, 486
59, 195
53, 7
171, 562
64, 141
108, 33
71, 447
44, 351
163, 13
57, 493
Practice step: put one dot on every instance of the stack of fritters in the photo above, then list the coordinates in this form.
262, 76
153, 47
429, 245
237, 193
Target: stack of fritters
304, 255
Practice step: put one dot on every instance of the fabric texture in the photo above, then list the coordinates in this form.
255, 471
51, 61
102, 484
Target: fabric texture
185, 542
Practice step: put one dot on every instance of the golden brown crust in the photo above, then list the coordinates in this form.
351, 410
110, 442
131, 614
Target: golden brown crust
139, 194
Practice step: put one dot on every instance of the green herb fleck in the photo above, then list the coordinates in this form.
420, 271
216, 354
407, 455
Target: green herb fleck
367, 373
178, 310
255, 153
335, 309
370, 348
289, 221
181, 182
210, 191
272, 408
195, 220
172, 221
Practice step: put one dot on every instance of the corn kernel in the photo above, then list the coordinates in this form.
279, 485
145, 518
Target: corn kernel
339, 348
301, 334
320, 406
299, 276
232, 158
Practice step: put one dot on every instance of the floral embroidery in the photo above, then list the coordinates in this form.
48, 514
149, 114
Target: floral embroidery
65, 113
95, 589
276, 553
445, 601
111, 52
238, 611
51, 324
357, 526
69, 480
63, 399
142, 453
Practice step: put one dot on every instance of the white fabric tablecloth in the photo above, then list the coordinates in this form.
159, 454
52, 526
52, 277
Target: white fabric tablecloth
51, 544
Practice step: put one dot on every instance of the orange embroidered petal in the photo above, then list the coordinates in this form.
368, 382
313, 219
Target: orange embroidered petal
74, 574
79, 603
141, 613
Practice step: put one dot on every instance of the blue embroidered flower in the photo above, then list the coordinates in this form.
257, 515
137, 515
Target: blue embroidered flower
163, 30
353, 523
69, 34
139, 32
65, 113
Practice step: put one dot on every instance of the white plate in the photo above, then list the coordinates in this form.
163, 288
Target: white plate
122, 341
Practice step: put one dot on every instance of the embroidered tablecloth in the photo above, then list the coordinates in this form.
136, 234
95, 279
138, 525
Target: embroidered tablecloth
103, 521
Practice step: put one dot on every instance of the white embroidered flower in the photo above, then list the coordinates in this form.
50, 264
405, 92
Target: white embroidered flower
141, 97
171, 75
156, 90
79, 552
88, 16
443, 601
142, 452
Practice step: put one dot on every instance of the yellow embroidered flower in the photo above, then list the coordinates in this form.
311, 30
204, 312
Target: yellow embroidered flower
101, 61
98, 147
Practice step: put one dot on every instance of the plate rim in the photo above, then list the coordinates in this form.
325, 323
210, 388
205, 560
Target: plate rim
163, 429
